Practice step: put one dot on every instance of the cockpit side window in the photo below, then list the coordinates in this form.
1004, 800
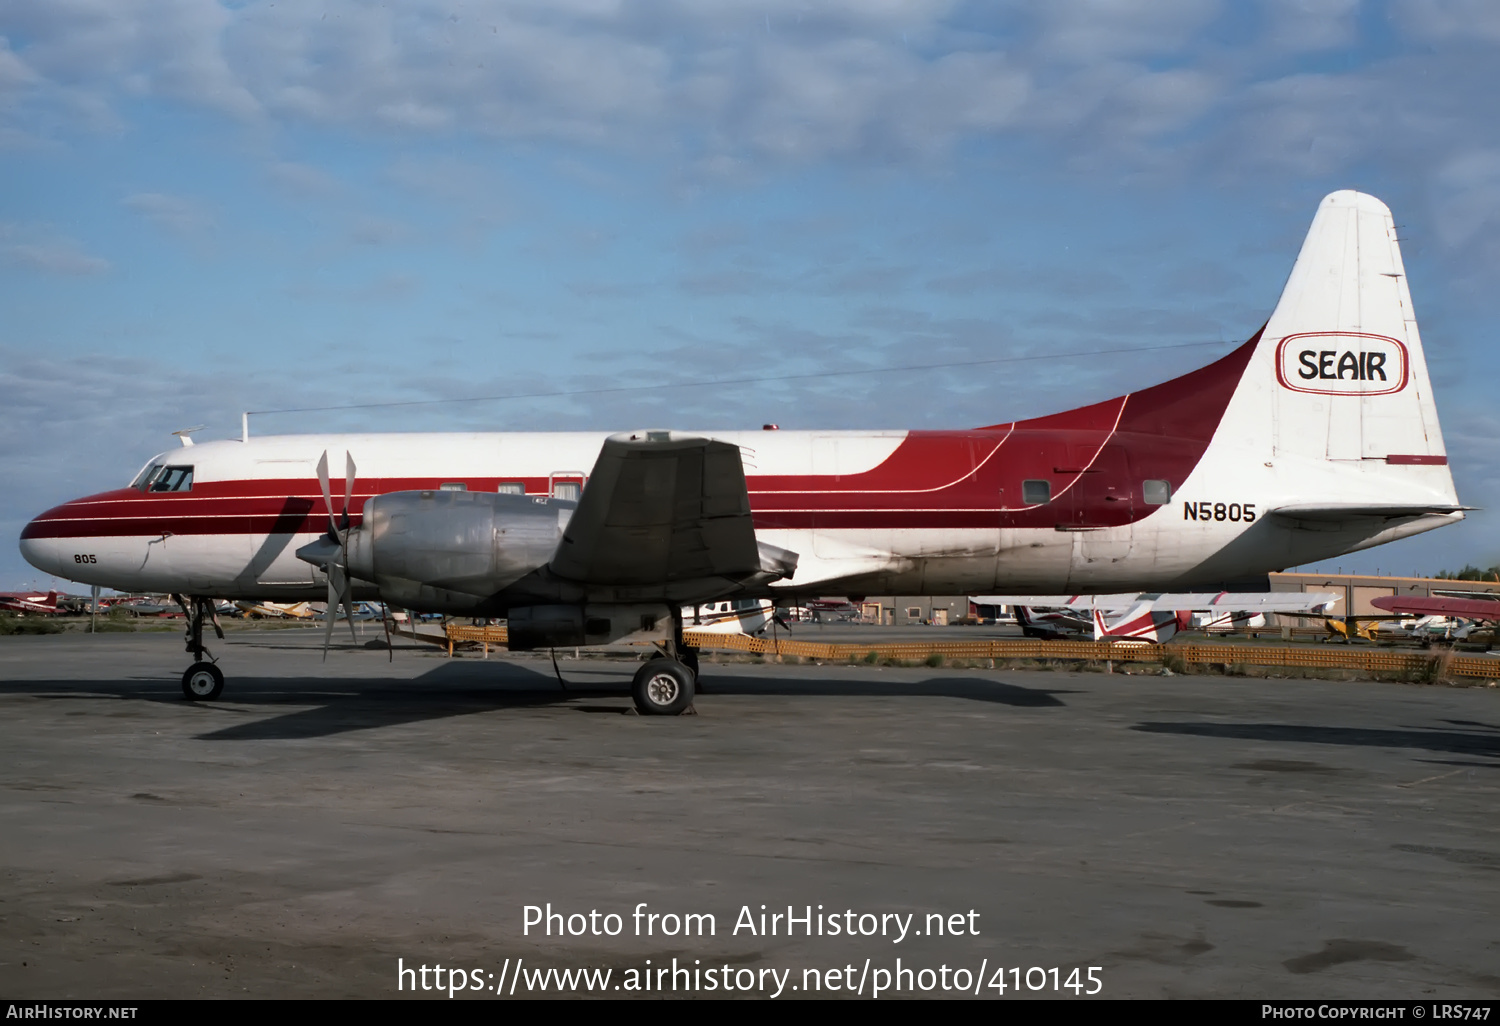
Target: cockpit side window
171, 479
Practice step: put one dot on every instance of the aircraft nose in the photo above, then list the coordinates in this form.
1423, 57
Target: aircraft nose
42, 553
43, 548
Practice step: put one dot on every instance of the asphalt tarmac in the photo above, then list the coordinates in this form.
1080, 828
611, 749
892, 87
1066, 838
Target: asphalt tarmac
1187, 836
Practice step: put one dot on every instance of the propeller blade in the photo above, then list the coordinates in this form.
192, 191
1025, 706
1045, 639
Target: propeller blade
344, 598
330, 612
348, 485
390, 645
327, 495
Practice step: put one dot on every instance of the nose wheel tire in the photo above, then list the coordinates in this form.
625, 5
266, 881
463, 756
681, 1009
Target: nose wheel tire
662, 687
202, 682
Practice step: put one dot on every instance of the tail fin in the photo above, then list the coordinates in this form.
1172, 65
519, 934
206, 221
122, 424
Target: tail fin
1350, 377
1141, 622
1336, 399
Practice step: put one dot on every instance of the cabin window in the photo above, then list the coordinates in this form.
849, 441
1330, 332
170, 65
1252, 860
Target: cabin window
1036, 493
453, 486
511, 488
569, 490
1157, 493
171, 479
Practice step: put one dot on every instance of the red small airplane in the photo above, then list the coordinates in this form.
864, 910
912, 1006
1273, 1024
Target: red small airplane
1467, 608
44, 604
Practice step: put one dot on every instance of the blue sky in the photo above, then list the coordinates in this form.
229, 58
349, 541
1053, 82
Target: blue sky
209, 207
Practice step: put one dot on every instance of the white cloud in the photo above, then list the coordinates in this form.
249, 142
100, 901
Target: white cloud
1466, 20
302, 180
732, 87
178, 215
1311, 24
1088, 31
167, 48
1468, 195
58, 257
737, 82
14, 72
41, 248
368, 230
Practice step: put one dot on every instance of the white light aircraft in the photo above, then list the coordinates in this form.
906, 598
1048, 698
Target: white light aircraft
1149, 617
731, 616
278, 610
1316, 437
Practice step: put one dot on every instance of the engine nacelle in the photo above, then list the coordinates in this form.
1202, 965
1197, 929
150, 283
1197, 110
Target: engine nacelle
451, 551
558, 626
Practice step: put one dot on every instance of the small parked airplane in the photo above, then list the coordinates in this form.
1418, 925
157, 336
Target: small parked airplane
279, 610
730, 616
1148, 617
1316, 437
1487, 609
35, 602
1469, 612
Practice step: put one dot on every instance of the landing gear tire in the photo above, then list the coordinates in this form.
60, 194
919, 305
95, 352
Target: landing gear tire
662, 687
202, 682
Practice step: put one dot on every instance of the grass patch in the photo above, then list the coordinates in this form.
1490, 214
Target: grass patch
28, 625
935, 660
1433, 671
1174, 662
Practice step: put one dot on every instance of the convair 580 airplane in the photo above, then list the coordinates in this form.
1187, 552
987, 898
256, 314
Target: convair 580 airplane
1317, 437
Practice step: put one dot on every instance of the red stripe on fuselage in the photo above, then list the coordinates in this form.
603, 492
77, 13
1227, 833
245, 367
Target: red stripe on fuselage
1095, 459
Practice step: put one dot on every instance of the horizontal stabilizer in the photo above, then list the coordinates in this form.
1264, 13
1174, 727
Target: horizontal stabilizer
1239, 601
1337, 511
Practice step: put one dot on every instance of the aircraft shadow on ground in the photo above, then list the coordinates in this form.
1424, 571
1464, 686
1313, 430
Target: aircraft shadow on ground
977, 689
321, 707
1447, 742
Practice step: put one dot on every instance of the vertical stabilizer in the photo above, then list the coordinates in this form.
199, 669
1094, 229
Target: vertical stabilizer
1351, 379
1335, 406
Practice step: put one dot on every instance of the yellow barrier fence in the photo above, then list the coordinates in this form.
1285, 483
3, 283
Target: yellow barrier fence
1341, 657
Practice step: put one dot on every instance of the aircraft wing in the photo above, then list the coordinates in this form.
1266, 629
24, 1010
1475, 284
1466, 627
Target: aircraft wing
1238, 601
1473, 609
661, 508
1105, 602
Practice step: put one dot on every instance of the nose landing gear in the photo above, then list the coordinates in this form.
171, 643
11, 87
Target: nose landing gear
203, 681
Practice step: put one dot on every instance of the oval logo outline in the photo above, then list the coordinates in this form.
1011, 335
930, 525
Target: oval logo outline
1400, 381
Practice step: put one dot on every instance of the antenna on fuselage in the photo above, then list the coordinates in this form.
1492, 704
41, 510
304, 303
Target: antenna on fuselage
185, 434
245, 426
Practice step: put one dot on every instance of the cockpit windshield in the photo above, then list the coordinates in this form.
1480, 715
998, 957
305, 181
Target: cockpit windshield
147, 472
160, 478
173, 479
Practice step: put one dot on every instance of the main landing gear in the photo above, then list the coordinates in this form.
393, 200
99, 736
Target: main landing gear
664, 686
203, 680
